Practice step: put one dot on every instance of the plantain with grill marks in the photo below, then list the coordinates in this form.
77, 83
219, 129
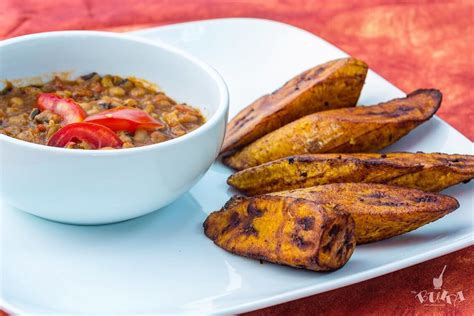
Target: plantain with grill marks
379, 211
347, 130
283, 230
424, 171
335, 84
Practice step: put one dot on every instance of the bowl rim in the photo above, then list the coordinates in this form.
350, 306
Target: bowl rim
221, 111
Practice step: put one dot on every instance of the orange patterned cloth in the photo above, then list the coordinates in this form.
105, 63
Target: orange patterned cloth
413, 45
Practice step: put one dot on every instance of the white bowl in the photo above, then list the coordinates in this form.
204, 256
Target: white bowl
105, 186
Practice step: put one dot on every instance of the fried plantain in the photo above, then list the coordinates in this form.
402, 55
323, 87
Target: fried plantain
332, 85
347, 130
424, 171
284, 230
379, 211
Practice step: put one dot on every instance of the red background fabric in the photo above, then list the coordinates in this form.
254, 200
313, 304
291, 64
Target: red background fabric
421, 44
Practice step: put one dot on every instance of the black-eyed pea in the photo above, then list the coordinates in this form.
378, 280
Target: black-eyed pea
18, 119
47, 117
16, 101
86, 106
116, 92
124, 137
163, 100
107, 82
118, 80
149, 108
140, 136
131, 102
171, 118
116, 102
12, 130
188, 118
52, 128
127, 145
26, 136
81, 93
157, 137
144, 104
127, 85
105, 99
64, 93
137, 92
96, 87
178, 131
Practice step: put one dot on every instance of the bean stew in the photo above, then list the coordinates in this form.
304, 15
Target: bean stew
94, 112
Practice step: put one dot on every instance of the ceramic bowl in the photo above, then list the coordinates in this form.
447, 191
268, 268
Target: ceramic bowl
105, 186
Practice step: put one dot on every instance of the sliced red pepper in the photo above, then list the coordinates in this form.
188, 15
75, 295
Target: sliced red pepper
69, 110
97, 136
124, 119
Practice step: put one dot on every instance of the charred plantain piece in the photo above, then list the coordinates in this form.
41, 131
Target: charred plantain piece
427, 172
332, 85
283, 230
317, 169
348, 130
379, 211
440, 171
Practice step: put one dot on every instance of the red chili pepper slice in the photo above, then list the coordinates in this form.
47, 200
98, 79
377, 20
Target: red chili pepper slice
97, 136
70, 111
124, 119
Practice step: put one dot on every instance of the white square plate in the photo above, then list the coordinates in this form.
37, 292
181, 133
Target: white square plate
162, 262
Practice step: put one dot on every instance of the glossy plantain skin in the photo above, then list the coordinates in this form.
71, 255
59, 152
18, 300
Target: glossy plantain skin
283, 230
332, 85
379, 211
347, 130
424, 171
